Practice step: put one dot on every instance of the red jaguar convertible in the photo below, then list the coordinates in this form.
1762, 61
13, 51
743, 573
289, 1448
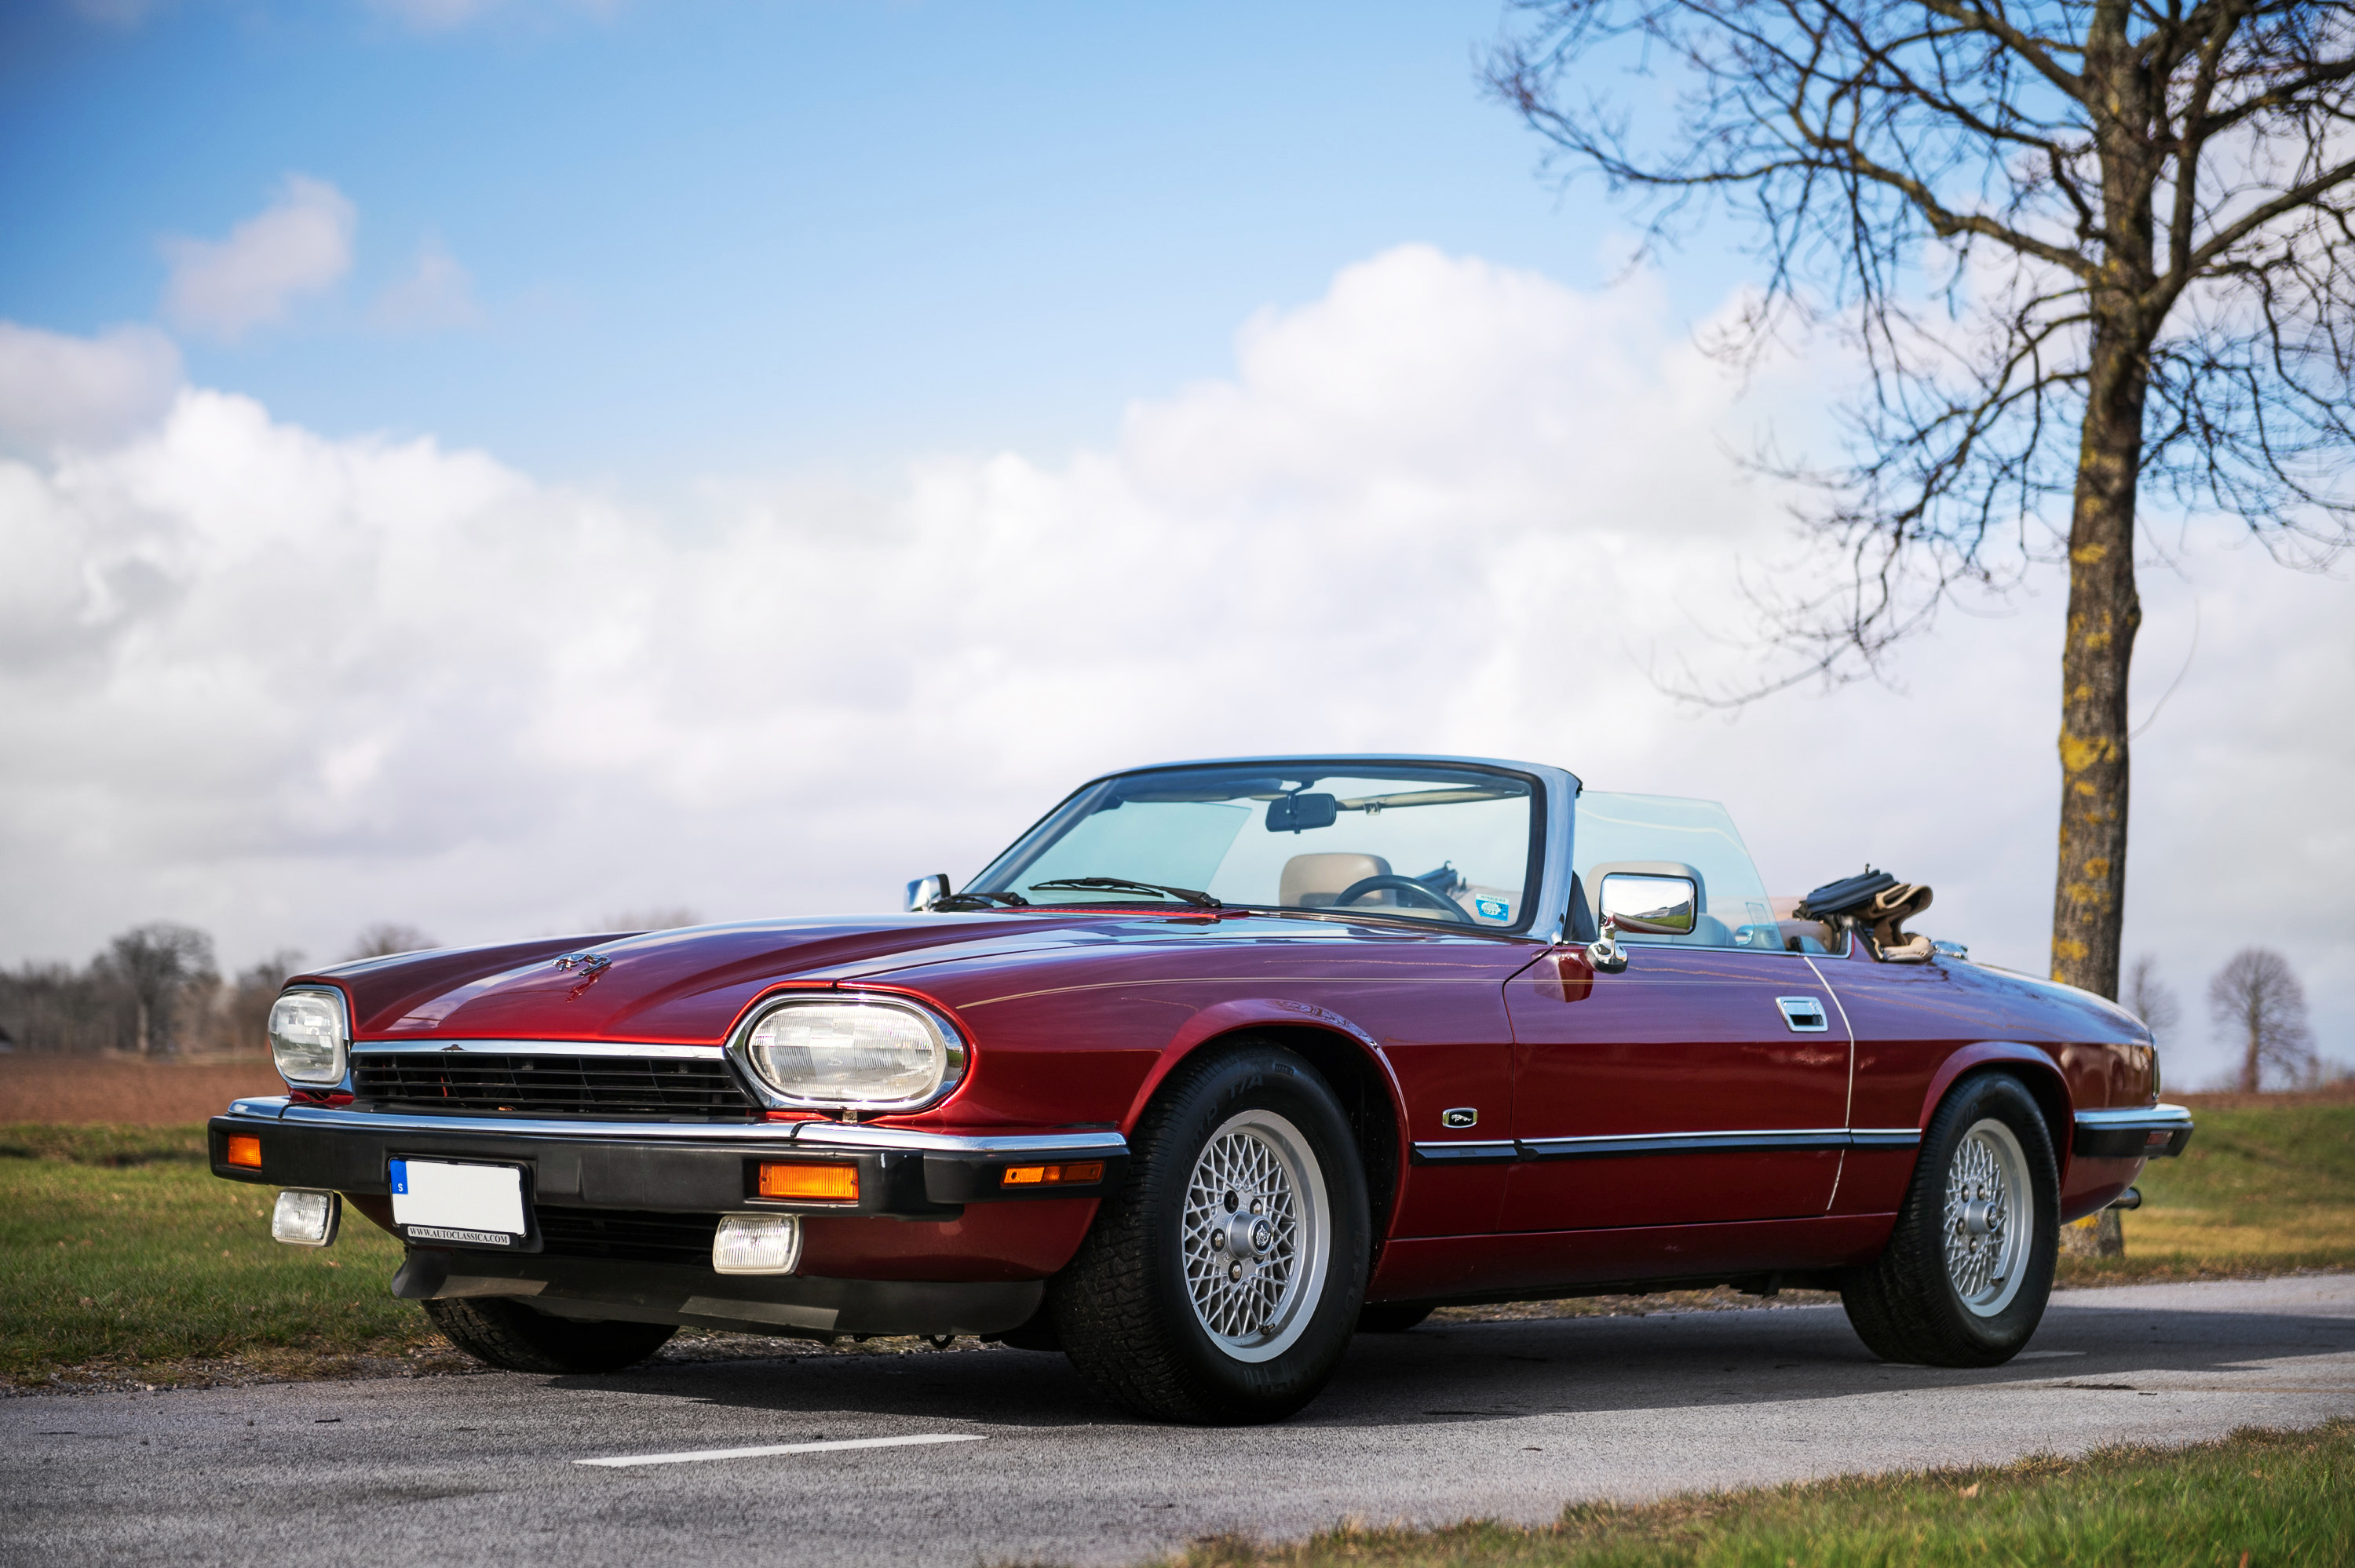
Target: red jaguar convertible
1219, 1064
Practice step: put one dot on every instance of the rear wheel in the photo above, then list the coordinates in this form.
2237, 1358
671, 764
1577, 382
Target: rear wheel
1969, 1266
517, 1338
1220, 1285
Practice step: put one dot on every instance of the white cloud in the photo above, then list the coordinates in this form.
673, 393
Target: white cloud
59, 390
437, 293
298, 245
282, 685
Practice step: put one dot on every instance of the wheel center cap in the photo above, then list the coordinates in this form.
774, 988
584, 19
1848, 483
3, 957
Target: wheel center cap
1979, 1217
1247, 1235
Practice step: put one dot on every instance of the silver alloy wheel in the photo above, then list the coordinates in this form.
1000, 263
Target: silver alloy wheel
1256, 1235
1990, 1217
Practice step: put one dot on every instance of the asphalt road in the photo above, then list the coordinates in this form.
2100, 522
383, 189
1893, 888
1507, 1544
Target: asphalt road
1510, 1420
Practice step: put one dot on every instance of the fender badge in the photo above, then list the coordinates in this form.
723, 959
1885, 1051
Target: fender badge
1462, 1116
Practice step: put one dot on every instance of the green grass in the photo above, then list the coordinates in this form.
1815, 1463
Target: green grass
126, 1254
2281, 1497
2262, 1189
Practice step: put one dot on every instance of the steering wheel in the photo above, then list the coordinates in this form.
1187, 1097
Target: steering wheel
1366, 885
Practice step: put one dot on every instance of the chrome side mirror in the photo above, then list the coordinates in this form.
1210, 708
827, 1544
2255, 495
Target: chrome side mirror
927, 891
1646, 905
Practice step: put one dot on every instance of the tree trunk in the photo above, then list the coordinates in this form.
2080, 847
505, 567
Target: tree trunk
2253, 1067
143, 1026
2104, 613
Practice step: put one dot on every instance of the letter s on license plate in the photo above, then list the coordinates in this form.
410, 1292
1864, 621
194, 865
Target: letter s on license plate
471, 1205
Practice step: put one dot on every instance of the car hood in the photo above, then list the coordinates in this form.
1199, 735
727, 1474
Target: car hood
681, 987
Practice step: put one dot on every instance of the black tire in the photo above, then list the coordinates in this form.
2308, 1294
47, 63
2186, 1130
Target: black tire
1909, 1304
1390, 1317
517, 1338
1125, 1308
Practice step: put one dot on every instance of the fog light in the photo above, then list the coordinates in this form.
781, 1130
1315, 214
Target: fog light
756, 1243
306, 1219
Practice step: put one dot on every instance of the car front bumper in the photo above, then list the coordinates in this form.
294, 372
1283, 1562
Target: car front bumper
694, 1169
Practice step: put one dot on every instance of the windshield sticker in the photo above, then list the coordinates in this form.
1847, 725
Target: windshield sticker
1492, 908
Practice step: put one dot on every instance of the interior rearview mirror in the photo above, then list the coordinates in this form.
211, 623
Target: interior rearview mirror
1650, 905
1293, 813
927, 891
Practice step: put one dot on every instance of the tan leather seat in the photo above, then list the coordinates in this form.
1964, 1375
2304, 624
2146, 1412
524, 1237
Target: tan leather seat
1312, 880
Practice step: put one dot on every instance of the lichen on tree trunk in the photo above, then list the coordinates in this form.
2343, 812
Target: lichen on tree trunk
2105, 614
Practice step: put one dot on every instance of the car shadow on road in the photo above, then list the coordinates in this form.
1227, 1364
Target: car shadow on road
1459, 1373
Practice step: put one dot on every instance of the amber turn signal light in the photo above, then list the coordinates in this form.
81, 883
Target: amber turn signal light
1052, 1175
245, 1149
810, 1183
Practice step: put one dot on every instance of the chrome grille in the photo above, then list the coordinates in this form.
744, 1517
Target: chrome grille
533, 1084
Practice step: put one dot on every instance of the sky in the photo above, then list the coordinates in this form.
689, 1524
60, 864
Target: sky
493, 467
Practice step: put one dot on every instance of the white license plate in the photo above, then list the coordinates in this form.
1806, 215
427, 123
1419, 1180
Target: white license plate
474, 1205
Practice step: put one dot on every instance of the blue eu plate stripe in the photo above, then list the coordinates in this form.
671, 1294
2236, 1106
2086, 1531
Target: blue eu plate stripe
401, 1176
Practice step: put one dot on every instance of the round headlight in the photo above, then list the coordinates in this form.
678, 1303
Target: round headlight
875, 1054
307, 1036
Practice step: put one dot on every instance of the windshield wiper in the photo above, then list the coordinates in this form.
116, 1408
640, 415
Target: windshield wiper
1200, 900
981, 901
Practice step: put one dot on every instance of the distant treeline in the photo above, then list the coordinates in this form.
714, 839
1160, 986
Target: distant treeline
155, 990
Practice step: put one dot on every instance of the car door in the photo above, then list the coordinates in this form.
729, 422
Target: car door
1700, 1085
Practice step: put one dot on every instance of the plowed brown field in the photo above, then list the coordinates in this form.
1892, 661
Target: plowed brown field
124, 1089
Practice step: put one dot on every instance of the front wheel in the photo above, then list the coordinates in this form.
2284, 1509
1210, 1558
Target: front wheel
1220, 1285
517, 1338
1969, 1267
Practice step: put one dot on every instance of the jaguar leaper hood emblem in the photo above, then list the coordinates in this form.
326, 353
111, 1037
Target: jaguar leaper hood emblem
591, 965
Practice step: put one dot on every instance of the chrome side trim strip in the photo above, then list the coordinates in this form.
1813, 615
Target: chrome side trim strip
2136, 1119
1686, 1142
831, 1135
1466, 1151
540, 1048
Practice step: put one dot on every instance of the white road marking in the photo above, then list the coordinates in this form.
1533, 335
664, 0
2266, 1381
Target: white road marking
763, 1453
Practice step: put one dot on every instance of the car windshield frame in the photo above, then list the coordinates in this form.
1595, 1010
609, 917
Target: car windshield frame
1000, 874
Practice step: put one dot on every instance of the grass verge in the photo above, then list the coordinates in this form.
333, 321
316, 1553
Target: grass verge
2257, 1498
126, 1256
2260, 1188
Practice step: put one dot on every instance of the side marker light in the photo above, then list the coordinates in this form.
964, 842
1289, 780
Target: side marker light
245, 1149
1080, 1173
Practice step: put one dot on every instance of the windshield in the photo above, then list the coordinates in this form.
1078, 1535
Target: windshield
1445, 844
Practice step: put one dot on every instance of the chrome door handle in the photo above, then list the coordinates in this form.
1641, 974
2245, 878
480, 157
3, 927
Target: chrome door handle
1805, 1014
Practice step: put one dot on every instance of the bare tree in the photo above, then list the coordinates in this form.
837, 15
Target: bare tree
243, 1015
2257, 1001
2081, 245
156, 963
386, 937
2149, 998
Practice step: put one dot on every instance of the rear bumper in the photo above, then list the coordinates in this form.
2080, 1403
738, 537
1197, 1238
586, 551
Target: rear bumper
679, 1166
2141, 1132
